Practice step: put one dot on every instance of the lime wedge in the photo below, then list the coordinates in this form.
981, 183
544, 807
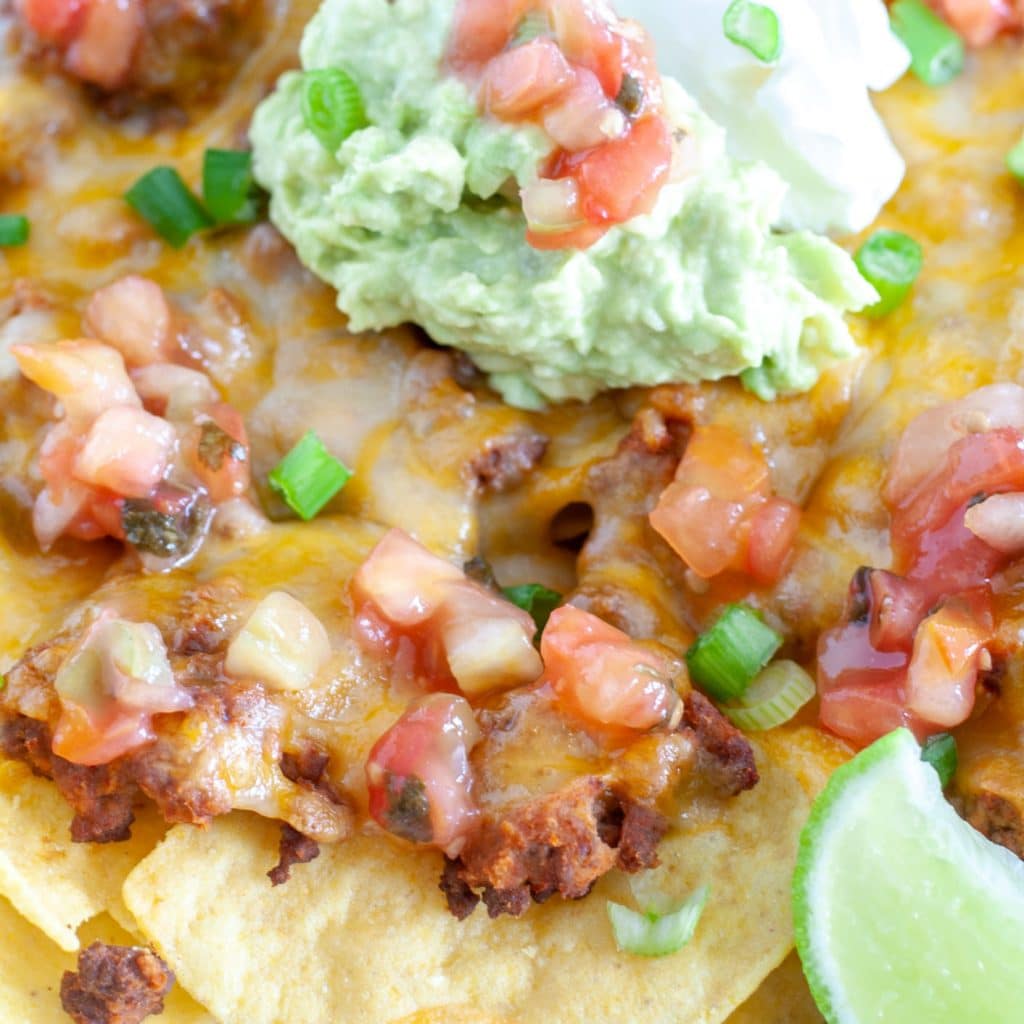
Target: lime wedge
903, 912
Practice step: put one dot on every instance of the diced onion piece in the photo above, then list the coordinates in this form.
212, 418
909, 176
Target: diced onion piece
936, 51
999, 522
890, 262
133, 315
403, 579
652, 934
488, 643
135, 667
725, 659
552, 205
85, 376
127, 450
755, 27
308, 476
56, 508
774, 697
282, 644
166, 203
940, 752
173, 391
524, 79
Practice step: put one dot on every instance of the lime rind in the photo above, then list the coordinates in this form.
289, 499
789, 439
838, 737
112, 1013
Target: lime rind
902, 912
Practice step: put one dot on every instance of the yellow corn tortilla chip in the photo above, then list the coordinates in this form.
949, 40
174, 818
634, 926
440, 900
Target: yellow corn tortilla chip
783, 998
361, 935
31, 967
55, 883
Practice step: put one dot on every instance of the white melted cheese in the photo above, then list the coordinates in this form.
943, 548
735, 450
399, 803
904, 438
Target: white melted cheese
809, 116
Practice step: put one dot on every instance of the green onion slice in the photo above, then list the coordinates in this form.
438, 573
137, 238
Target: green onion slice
936, 51
14, 229
774, 697
652, 934
940, 752
164, 200
890, 261
725, 659
1015, 160
755, 27
536, 599
332, 106
229, 190
308, 476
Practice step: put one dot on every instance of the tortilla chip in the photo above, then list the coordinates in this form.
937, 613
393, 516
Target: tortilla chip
361, 935
55, 883
783, 998
31, 967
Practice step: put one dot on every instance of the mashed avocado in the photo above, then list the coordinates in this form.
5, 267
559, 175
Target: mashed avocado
410, 220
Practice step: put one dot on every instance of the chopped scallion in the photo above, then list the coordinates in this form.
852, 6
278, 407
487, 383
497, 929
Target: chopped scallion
536, 599
890, 261
652, 934
229, 190
940, 752
774, 697
1015, 160
755, 27
308, 476
332, 106
936, 51
14, 229
725, 658
165, 201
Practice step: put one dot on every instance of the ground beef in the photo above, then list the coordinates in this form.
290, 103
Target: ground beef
115, 985
506, 461
559, 843
102, 797
726, 758
295, 849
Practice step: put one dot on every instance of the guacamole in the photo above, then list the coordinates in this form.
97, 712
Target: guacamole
416, 218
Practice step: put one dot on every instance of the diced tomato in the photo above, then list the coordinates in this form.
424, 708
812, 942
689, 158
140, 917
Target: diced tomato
891, 605
980, 21
522, 80
105, 43
582, 237
174, 392
621, 179
944, 667
418, 773
85, 376
482, 28
861, 714
582, 117
55, 21
433, 622
218, 452
773, 528
587, 39
719, 514
133, 315
88, 738
126, 450
601, 675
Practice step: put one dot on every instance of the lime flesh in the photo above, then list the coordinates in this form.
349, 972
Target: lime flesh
903, 912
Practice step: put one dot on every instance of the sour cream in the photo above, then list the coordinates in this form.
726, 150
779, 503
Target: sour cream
809, 116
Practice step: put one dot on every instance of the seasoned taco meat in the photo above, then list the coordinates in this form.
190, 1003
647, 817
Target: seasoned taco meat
115, 985
560, 841
295, 849
147, 48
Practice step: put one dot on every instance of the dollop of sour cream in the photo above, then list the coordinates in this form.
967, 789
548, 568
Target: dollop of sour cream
808, 115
